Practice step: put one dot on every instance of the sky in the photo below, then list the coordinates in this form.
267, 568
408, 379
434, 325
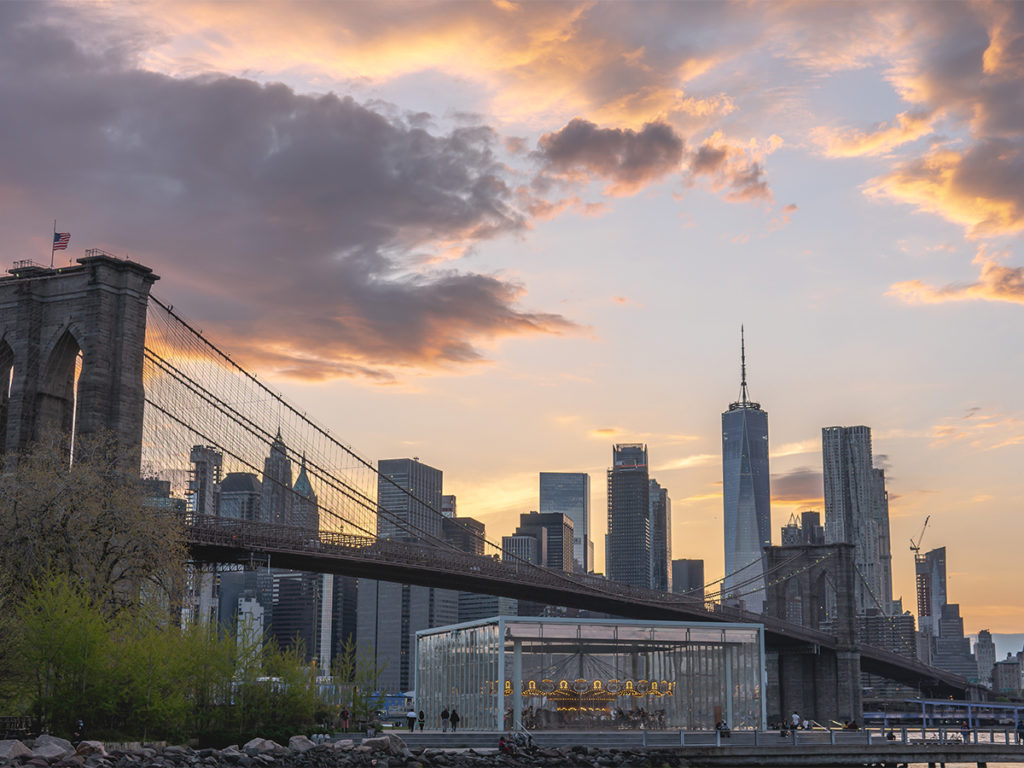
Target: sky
503, 236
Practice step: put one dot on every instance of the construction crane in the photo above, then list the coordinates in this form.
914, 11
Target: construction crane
915, 546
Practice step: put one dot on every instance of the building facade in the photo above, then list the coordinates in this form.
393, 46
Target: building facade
746, 497
568, 493
688, 578
857, 511
389, 615
661, 537
628, 541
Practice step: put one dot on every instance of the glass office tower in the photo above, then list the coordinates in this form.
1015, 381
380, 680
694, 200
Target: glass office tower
746, 497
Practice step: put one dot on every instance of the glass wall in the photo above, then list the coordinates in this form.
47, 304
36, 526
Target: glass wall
592, 674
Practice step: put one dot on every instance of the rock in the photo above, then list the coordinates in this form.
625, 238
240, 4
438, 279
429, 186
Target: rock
389, 743
71, 761
259, 746
51, 753
90, 748
342, 744
49, 744
40, 762
11, 749
300, 744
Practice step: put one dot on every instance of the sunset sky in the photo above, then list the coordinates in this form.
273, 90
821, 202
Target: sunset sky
503, 236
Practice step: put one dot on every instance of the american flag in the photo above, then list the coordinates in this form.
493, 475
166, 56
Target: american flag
61, 240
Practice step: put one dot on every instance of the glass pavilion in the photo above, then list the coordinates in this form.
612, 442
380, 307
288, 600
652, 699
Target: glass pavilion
592, 674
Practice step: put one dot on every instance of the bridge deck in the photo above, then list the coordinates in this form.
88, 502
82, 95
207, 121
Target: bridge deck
223, 540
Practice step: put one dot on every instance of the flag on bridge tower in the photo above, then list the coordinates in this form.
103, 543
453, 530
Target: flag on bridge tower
61, 240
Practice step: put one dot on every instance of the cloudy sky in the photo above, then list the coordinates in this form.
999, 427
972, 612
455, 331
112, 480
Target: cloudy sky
502, 236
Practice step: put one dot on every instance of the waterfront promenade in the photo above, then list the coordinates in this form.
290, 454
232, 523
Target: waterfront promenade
765, 748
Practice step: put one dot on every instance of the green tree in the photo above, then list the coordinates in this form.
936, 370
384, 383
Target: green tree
65, 654
359, 677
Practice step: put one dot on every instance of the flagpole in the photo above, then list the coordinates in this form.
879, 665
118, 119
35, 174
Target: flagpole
53, 242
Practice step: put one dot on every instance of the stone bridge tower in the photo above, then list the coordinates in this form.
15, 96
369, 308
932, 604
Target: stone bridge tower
48, 317
818, 683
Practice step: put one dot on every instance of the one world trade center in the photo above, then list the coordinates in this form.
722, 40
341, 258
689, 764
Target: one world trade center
746, 495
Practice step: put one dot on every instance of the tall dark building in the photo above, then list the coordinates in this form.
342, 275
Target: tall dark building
857, 512
276, 491
305, 511
554, 534
408, 499
240, 496
569, 494
465, 534
806, 530
661, 537
930, 573
389, 615
688, 578
746, 496
628, 541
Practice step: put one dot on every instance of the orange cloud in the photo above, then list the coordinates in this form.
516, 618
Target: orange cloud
995, 283
907, 127
978, 430
980, 188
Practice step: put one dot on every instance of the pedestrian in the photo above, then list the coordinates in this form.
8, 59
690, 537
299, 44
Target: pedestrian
344, 719
795, 721
1020, 731
410, 718
454, 717
965, 731
422, 718
444, 720
79, 730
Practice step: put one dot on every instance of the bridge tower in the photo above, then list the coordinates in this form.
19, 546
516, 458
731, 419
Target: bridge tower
48, 317
818, 683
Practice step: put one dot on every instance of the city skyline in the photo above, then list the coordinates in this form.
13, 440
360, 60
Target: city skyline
505, 237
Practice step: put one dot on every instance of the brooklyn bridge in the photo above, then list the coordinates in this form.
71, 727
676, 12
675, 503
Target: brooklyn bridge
87, 347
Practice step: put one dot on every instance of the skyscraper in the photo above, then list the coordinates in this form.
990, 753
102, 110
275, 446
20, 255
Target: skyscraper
661, 537
857, 512
276, 491
628, 542
569, 493
688, 578
930, 575
554, 534
389, 615
408, 499
746, 496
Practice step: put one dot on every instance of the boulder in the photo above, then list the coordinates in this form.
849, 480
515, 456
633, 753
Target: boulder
90, 748
259, 746
342, 744
11, 749
46, 740
50, 752
300, 744
388, 743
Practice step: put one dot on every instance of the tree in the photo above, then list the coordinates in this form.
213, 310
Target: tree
90, 521
359, 676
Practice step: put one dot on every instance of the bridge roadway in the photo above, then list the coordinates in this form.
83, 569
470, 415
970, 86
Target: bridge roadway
223, 540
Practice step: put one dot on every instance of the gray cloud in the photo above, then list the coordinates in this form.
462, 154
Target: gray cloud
803, 484
626, 157
303, 221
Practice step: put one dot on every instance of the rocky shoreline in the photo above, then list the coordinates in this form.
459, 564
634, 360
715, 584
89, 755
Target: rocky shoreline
387, 751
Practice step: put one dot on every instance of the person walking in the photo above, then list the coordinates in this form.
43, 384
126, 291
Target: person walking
422, 718
454, 717
444, 720
344, 719
410, 718
1020, 731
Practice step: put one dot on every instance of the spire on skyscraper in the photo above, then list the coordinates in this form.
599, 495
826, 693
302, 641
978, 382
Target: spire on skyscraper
744, 401
743, 370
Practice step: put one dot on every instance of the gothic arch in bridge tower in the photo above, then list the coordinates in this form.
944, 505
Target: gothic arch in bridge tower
48, 318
